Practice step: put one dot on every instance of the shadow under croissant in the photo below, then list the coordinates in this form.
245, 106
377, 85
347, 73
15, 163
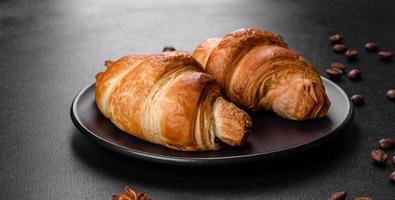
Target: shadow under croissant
271, 173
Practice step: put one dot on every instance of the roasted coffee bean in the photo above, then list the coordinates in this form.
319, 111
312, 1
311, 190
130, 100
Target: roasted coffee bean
385, 55
335, 39
338, 196
392, 177
358, 99
371, 46
354, 75
391, 94
363, 198
351, 54
393, 160
378, 156
337, 66
334, 73
168, 48
386, 143
339, 48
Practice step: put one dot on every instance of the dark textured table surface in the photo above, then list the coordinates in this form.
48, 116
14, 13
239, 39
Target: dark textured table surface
49, 50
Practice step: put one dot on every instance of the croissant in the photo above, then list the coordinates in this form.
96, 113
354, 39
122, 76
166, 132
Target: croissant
258, 71
166, 99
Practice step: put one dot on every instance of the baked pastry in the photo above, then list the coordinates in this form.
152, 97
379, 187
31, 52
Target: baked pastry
258, 71
166, 99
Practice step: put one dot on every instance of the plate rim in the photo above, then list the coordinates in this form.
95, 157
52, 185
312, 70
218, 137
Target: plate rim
204, 161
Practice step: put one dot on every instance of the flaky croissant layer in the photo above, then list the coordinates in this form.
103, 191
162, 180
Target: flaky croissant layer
258, 71
166, 99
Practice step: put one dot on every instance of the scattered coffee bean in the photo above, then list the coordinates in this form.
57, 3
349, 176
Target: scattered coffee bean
339, 48
386, 143
334, 73
391, 94
335, 39
107, 63
378, 156
371, 46
393, 160
358, 99
385, 55
392, 177
338, 66
351, 54
363, 198
168, 48
354, 75
338, 196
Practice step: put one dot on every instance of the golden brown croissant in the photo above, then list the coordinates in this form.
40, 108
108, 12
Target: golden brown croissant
167, 99
258, 71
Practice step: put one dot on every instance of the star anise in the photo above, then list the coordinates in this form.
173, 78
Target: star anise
130, 194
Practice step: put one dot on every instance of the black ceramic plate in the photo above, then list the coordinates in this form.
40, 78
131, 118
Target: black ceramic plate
271, 136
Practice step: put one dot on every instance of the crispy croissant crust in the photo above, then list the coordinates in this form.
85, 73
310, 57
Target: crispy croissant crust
258, 71
167, 99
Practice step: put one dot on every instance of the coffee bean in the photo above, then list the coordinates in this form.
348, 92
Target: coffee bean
351, 54
371, 46
334, 73
363, 198
378, 156
385, 55
358, 99
393, 160
386, 143
168, 48
338, 66
338, 196
354, 75
391, 94
392, 177
339, 48
335, 39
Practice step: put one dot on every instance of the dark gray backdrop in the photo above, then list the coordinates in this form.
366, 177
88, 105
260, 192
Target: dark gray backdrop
49, 50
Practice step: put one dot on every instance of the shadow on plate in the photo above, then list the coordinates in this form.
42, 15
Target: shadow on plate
289, 169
